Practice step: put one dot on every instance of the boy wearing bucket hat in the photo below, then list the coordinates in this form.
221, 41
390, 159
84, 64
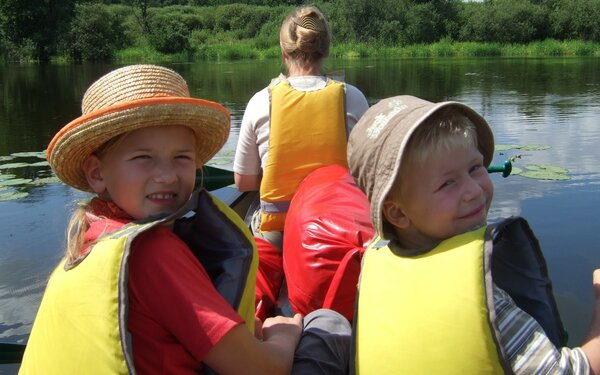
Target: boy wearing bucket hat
145, 287
467, 297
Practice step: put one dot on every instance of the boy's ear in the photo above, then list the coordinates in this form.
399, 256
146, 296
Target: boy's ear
394, 214
93, 175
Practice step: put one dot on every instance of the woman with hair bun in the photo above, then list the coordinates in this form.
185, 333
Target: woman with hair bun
299, 123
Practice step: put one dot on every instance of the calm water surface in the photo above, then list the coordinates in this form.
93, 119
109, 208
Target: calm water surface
539, 102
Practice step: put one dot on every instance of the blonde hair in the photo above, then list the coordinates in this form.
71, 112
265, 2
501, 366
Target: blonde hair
305, 36
442, 132
78, 223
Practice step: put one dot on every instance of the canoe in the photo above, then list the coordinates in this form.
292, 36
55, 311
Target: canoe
219, 182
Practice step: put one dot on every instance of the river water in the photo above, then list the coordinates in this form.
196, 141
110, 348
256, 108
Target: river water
544, 112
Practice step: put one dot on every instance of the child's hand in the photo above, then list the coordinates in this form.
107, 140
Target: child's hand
282, 326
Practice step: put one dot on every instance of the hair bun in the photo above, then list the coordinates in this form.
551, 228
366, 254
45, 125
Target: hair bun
310, 22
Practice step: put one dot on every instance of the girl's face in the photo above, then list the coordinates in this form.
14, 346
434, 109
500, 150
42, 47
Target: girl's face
448, 195
147, 172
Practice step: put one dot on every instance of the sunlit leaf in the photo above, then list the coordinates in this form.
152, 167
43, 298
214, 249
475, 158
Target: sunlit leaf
13, 165
13, 196
6, 176
521, 147
505, 147
515, 170
15, 181
228, 153
533, 148
45, 180
545, 172
6, 158
217, 161
546, 167
43, 163
33, 154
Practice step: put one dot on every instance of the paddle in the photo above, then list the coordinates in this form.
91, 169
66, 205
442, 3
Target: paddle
505, 169
213, 178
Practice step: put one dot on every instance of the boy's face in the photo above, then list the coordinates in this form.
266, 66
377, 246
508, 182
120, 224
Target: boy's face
149, 171
449, 194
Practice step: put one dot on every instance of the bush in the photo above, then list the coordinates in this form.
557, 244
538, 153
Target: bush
576, 19
168, 34
96, 33
422, 24
504, 21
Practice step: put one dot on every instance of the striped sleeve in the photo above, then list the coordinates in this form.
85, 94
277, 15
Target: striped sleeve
527, 347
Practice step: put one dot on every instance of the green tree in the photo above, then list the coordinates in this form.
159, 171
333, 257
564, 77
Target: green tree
168, 34
575, 19
504, 21
44, 23
96, 33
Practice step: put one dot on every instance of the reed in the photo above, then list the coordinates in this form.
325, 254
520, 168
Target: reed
213, 50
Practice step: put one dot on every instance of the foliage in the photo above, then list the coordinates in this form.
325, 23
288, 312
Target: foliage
94, 30
96, 33
504, 21
575, 19
37, 24
167, 34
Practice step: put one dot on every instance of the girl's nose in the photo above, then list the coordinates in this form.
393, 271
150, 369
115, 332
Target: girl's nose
165, 173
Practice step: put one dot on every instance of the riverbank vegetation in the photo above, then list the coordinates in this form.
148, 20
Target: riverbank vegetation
192, 30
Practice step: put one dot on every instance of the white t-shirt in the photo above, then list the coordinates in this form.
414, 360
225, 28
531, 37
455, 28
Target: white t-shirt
253, 142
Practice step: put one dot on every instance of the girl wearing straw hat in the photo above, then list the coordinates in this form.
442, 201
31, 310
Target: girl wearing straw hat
144, 286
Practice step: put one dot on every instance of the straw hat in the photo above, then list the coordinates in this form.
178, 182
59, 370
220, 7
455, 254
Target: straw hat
131, 98
377, 143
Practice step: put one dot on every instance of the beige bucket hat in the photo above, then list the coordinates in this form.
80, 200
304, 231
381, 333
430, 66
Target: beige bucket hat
377, 143
130, 98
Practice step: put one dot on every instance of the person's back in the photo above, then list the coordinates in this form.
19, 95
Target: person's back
440, 290
299, 123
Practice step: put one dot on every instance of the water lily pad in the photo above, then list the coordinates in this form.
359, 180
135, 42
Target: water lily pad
216, 161
13, 196
515, 170
34, 154
43, 163
545, 172
228, 153
45, 180
533, 148
521, 147
13, 165
6, 176
505, 147
15, 181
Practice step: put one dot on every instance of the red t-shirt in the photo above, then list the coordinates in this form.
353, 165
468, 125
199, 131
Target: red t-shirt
175, 314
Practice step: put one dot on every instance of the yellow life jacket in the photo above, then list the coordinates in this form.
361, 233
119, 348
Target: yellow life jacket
307, 131
434, 313
81, 325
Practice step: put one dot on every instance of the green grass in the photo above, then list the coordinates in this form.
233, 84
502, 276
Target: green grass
226, 49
